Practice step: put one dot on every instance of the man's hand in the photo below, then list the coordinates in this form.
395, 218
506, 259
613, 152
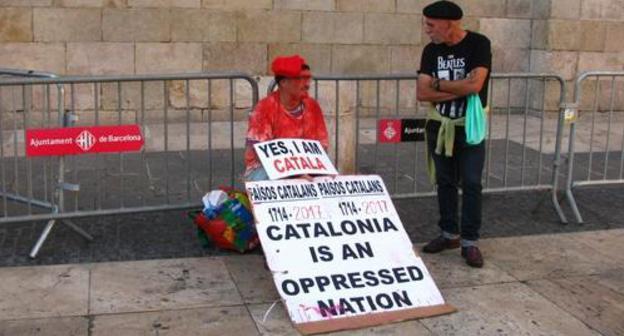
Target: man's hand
445, 90
425, 91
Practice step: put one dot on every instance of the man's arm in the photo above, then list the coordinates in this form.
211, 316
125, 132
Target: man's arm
425, 91
463, 87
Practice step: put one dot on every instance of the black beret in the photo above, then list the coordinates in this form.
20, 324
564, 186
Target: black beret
443, 9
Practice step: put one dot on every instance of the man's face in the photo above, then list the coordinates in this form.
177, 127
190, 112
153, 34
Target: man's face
436, 29
298, 87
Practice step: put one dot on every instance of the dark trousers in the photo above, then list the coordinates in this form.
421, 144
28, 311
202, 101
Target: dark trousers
463, 169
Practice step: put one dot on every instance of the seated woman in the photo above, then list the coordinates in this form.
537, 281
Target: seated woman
286, 113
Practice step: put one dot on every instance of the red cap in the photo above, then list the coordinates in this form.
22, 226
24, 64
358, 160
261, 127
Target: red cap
287, 66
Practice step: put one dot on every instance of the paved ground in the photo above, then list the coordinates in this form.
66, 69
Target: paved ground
554, 284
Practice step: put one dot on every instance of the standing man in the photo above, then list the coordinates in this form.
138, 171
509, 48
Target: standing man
454, 65
289, 112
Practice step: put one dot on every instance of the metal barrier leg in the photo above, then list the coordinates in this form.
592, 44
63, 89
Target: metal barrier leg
78, 230
555, 201
572, 202
65, 121
42, 238
569, 194
46, 232
556, 167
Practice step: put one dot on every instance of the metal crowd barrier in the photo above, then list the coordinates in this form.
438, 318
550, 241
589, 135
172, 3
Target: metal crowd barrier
599, 160
194, 127
187, 121
523, 143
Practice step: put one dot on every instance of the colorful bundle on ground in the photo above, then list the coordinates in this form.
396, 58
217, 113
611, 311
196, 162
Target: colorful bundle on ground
226, 220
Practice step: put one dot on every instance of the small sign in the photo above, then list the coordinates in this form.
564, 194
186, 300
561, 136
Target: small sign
291, 157
339, 254
401, 130
389, 130
83, 140
569, 115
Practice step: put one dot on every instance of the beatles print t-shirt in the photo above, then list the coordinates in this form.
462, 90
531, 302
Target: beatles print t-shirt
454, 63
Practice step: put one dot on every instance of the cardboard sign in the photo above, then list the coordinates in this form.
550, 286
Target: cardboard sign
83, 140
339, 254
291, 157
401, 130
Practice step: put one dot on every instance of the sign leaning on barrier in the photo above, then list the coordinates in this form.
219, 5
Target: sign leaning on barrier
83, 140
290, 157
339, 254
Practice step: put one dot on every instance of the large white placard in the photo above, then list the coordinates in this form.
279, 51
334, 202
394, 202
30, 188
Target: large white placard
291, 157
337, 249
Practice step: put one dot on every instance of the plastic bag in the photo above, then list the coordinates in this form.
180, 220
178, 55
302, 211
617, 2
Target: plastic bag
476, 121
228, 223
213, 201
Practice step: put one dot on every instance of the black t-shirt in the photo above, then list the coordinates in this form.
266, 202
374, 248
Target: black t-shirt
454, 63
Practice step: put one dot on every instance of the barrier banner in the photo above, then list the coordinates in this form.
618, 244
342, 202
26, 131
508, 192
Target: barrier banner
83, 140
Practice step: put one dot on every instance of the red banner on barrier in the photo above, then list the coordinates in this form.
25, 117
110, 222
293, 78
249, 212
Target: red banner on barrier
83, 140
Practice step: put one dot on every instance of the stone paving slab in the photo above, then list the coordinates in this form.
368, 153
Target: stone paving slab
450, 270
47, 291
160, 285
613, 280
252, 279
185, 322
598, 306
278, 323
62, 326
608, 242
545, 256
504, 309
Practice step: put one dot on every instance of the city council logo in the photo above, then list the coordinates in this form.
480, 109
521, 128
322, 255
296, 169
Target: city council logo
85, 140
390, 131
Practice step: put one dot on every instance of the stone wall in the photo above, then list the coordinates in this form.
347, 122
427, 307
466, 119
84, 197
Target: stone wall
573, 36
96, 37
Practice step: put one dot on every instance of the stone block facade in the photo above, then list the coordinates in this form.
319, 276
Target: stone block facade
104, 37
